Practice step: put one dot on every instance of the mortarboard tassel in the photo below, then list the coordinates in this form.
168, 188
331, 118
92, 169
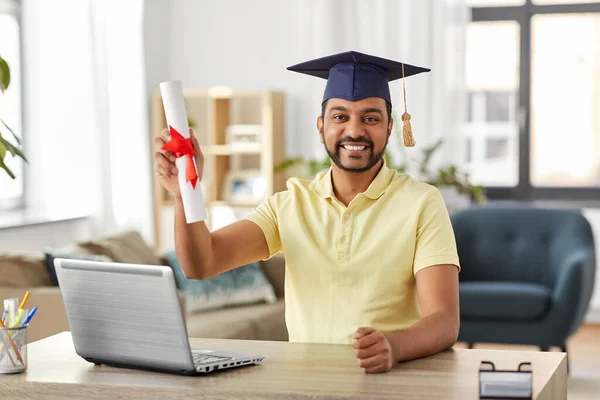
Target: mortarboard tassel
409, 140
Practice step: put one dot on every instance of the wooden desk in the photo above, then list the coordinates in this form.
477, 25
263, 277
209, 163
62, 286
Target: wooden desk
289, 371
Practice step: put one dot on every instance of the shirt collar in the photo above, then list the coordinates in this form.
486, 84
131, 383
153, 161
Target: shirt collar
323, 187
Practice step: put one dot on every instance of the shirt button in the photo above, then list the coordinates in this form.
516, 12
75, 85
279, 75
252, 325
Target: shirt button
343, 239
347, 217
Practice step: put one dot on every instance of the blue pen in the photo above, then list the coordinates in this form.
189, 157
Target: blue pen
4, 316
29, 316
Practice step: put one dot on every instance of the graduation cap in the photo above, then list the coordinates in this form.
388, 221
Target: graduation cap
354, 76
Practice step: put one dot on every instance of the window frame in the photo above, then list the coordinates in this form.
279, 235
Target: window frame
523, 15
14, 7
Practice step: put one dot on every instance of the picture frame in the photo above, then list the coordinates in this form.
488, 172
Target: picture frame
244, 137
244, 187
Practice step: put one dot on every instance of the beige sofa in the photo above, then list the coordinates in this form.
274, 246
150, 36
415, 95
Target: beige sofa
26, 272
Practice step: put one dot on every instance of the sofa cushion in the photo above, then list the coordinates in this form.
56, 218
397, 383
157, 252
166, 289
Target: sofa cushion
503, 300
23, 270
243, 285
127, 247
249, 322
73, 252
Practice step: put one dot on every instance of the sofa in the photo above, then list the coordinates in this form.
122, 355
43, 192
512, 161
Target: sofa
22, 272
527, 274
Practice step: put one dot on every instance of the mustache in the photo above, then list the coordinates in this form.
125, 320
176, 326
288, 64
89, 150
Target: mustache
359, 140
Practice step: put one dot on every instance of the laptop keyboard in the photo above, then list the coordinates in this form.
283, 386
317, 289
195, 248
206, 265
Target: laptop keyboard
202, 359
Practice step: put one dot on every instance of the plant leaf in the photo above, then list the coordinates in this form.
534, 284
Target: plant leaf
11, 131
288, 163
2, 151
13, 150
4, 75
4, 167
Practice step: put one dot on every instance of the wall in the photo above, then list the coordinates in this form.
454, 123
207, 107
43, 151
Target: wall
246, 45
36, 238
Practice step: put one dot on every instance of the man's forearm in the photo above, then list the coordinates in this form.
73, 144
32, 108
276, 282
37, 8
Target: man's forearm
432, 334
193, 245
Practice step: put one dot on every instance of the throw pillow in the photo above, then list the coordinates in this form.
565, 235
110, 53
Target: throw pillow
127, 247
23, 270
75, 254
244, 285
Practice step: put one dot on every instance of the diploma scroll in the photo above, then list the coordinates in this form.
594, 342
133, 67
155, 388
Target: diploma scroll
181, 145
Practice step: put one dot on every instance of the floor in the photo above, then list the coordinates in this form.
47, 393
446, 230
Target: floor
584, 359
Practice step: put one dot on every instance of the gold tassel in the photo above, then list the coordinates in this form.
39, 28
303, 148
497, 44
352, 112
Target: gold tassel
409, 140
407, 134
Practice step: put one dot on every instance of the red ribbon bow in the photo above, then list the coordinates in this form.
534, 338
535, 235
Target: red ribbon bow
181, 146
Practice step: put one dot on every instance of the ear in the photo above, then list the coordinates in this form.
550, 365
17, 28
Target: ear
320, 128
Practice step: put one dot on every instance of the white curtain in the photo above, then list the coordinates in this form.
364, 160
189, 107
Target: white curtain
86, 121
427, 33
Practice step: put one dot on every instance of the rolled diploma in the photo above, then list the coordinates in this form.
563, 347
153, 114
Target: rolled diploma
174, 105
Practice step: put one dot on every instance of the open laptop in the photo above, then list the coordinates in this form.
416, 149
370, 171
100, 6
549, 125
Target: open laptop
129, 315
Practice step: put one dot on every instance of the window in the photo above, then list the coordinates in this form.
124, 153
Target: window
492, 79
11, 190
533, 77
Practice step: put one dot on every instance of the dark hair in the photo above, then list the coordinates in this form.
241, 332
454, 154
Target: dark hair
388, 108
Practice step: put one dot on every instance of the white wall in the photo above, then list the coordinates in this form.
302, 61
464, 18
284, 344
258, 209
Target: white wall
157, 34
242, 44
36, 238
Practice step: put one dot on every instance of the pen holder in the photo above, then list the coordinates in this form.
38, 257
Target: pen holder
13, 350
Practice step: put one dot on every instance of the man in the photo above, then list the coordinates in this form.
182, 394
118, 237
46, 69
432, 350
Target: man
370, 253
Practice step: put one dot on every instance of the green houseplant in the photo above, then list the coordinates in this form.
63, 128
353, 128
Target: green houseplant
6, 146
446, 176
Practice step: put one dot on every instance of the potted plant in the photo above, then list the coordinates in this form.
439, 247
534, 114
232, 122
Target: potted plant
6, 146
455, 186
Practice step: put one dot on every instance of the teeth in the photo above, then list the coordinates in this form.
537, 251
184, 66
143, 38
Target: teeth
348, 147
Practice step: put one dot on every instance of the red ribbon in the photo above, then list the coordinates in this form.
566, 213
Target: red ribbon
180, 146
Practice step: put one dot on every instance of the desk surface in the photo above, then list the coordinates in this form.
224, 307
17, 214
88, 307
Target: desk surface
290, 371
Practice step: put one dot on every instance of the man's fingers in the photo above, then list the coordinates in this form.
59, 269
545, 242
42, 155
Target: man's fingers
378, 369
161, 142
164, 134
362, 331
370, 362
366, 341
195, 143
163, 165
362, 354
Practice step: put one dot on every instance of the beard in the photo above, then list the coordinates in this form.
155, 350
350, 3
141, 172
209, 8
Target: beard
372, 160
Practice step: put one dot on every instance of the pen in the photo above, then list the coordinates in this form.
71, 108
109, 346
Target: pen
12, 344
4, 316
21, 311
29, 316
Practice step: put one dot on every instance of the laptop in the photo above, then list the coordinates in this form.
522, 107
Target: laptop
129, 315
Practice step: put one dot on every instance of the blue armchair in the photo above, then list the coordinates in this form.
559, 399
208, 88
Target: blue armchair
527, 274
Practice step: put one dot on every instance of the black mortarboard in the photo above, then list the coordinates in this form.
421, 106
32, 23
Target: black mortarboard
355, 76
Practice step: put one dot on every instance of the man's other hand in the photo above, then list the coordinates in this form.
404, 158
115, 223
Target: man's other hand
373, 350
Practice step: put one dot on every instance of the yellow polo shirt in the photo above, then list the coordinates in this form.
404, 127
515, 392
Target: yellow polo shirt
354, 266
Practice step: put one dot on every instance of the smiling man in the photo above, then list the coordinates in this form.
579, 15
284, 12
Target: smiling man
370, 253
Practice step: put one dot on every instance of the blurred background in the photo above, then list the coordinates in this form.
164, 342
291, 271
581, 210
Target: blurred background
509, 116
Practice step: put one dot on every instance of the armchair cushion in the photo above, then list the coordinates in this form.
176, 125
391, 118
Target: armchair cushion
504, 300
